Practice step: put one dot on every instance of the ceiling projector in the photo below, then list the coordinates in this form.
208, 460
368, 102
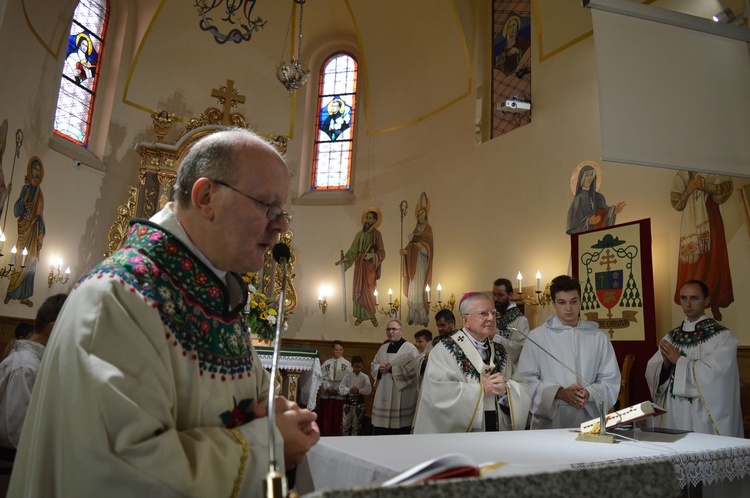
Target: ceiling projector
514, 105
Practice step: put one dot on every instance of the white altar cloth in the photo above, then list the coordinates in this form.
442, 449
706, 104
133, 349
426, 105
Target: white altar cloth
357, 461
302, 361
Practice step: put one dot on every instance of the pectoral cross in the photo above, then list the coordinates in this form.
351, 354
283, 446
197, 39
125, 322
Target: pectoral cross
228, 96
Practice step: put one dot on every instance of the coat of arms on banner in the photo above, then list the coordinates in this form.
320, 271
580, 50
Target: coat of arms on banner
611, 281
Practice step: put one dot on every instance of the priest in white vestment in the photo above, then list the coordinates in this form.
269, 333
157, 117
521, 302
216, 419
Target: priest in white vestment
469, 383
559, 398
694, 372
149, 385
396, 386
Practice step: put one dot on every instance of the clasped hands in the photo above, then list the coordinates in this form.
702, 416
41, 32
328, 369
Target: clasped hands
297, 427
669, 353
495, 384
574, 395
384, 367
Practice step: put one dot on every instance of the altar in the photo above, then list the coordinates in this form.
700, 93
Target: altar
301, 371
720, 465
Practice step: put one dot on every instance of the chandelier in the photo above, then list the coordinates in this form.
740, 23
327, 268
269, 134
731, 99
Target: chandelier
291, 74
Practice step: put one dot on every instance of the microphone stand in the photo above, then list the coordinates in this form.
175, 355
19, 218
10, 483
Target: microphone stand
275, 485
602, 436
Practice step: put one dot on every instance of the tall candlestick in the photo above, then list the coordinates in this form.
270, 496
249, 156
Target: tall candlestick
440, 289
520, 280
390, 296
376, 297
427, 289
13, 252
24, 254
538, 281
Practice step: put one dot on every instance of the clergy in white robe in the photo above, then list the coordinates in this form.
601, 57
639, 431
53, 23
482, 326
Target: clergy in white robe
331, 407
150, 385
452, 397
700, 389
558, 397
395, 385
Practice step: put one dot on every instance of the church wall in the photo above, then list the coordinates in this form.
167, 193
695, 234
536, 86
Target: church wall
496, 207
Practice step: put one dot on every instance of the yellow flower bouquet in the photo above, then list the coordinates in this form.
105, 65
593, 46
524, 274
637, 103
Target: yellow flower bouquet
260, 314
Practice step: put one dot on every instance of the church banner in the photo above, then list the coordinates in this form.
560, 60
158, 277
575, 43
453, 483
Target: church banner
613, 265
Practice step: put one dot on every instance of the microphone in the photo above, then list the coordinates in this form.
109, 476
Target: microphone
275, 484
281, 253
602, 437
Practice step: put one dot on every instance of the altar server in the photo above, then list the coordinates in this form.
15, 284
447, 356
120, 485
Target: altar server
558, 397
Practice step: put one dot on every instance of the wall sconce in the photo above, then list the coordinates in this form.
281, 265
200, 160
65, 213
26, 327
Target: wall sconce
323, 298
10, 270
440, 306
542, 298
393, 307
56, 276
322, 303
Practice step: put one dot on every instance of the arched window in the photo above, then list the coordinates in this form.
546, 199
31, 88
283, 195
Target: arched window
335, 124
80, 72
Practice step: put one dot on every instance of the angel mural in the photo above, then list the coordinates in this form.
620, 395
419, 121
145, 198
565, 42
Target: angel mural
417, 259
589, 209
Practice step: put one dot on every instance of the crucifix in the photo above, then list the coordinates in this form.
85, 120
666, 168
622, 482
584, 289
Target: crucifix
228, 96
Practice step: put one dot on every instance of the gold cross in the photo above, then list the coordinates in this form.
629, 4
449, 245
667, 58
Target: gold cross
229, 97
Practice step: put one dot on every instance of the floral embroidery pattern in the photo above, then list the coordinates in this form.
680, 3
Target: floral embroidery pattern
239, 415
704, 330
191, 300
467, 367
510, 316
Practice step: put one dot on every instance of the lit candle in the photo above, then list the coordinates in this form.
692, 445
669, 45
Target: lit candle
538, 281
440, 289
390, 296
2, 241
520, 286
67, 271
13, 252
376, 297
24, 253
59, 264
427, 290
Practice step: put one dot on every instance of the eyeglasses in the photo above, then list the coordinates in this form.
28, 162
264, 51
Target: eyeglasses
485, 315
391, 329
273, 212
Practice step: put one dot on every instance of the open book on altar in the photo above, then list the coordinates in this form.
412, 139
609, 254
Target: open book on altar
633, 413
452, 465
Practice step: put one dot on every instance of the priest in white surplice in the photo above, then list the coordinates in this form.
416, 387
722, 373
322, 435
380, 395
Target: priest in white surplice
694, 373
559, 398
396, 386
468, 384
150, 385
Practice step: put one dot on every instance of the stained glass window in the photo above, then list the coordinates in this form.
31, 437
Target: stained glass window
80, 72
334, 141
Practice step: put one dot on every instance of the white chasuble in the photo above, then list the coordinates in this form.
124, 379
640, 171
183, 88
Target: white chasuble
452, 398
702, 392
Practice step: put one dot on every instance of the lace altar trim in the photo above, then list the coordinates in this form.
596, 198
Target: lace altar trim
695, 467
